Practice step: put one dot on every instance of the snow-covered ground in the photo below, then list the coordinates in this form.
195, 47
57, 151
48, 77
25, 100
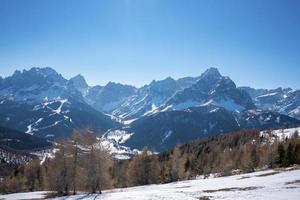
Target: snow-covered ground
267, 184
113, 141
24, 195
280, 134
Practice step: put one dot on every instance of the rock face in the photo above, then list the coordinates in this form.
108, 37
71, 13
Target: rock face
109, 97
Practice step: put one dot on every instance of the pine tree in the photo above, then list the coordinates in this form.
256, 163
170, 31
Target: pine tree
254, 158
281, 154
290, 157
297, 154
75, 152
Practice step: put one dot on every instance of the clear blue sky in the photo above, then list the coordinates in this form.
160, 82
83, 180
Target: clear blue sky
256, 43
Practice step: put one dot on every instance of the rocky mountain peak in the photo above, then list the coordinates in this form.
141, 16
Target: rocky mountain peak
211, 73
78, 82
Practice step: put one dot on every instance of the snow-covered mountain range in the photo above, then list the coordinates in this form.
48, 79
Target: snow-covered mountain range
43, 103
283, 100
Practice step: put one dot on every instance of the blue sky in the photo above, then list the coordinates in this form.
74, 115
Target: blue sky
256, 43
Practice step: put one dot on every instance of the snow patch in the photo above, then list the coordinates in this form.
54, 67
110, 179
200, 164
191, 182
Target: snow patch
120, 136
267, 95
24, 196
214, 110
167, 108
127, 122
231, 105
31, 127
185, 105
112, 140
295, 111
152, 111
166, 135
279, 134
62, 102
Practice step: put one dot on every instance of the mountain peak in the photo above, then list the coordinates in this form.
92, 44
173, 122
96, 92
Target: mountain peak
78, 81
164, 81
211, 72
45, 71
117, 86
78, 76
35, 75
111, 84
169, 78
210, 77
17, 73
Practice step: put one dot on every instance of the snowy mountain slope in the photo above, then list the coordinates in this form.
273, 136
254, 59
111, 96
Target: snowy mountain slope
147, 99
53, 118
109, 97
278, 185
211, 106
164, 130
102, 98
285, 101
41, 102
35, 85
21, 141
213, 88
159, 115
261, 119
39, 84
186, 82
289, 105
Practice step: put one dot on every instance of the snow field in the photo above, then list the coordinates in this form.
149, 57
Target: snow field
264, 185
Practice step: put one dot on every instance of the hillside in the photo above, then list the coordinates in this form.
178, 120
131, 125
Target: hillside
269, 184
21, 141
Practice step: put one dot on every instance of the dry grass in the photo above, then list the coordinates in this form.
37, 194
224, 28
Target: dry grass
284, 169
50, 195
231, 189
183, 187
293, 182
268, 174
204, 198
244, 177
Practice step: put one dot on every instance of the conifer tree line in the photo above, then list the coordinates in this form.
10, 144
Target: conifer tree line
83, 165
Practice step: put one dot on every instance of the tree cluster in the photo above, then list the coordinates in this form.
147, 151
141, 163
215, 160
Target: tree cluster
82, 164
243, 151
79, 164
